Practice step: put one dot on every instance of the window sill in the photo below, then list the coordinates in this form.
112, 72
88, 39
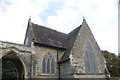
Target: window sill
47, 74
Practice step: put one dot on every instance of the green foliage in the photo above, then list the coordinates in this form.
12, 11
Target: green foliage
113, 63
8, 70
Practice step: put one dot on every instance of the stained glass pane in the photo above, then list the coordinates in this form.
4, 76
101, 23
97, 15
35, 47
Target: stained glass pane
48, 66
52, 66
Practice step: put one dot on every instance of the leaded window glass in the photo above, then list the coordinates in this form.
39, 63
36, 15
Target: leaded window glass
90, 59
48, 64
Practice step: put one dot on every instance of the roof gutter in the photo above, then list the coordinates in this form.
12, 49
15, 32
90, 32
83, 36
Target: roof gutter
49, 46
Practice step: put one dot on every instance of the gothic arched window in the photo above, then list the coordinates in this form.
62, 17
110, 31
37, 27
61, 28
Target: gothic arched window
90, 59
48, 64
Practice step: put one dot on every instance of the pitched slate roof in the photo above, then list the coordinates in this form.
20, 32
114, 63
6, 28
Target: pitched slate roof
49, 36
70, 42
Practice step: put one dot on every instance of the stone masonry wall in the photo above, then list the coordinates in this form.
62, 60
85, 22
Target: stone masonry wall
77, 56
38, 55
78, 50
22, 51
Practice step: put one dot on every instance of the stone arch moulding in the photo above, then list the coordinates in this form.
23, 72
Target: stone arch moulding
8, 51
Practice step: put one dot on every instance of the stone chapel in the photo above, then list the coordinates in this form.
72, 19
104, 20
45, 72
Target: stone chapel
47, 53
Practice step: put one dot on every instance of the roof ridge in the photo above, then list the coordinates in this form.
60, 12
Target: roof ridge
48, 36
48, 28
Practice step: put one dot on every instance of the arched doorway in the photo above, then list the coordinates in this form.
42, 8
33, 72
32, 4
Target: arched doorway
12, 66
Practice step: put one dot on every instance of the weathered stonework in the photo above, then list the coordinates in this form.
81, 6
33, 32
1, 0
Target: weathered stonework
77, 62
73, 64
39, 53
22, 51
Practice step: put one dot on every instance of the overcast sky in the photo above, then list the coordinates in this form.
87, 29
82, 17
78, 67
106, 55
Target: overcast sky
61, 15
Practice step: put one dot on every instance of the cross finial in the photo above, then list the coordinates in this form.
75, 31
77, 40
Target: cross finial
30, 19
83, 18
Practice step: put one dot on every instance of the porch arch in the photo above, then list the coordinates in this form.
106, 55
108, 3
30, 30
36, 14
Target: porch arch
15, 58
